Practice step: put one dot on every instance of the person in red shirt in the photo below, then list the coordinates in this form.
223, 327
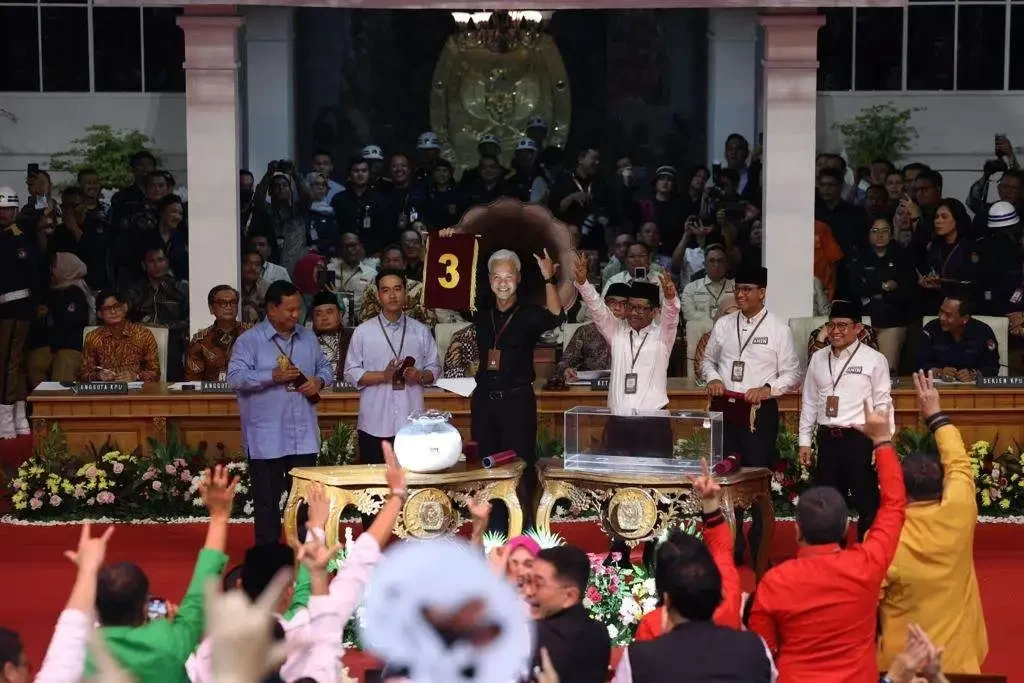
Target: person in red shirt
719, 543
817, 612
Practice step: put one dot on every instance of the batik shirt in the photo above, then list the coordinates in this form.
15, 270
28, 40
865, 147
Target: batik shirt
209, 352
335, 347
413, 304
126, 350
462, 357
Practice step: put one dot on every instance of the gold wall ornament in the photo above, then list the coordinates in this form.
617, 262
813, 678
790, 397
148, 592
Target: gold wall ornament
632, 513
478, 92
428, 513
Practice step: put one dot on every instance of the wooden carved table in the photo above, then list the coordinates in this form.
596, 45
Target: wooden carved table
434, 504
639, 507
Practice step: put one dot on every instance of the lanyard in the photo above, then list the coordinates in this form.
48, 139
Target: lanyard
720, 292
494, 327
835, 381
291, 346
945, 261
641, 348
743, 344
401, 344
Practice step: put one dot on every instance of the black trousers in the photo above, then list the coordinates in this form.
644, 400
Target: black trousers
502, 421
640, 437
269, 480
755, 449
370, 451
844, 463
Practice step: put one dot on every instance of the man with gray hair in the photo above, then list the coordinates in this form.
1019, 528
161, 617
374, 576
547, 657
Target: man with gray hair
504, 409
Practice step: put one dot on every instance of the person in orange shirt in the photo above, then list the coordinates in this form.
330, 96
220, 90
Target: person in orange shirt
719, 543
827, 253
817, 612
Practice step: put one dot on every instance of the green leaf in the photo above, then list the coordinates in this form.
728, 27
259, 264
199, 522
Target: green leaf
106, 151
880, 131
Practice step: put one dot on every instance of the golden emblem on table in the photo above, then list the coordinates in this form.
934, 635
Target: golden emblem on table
429, 513
632, 513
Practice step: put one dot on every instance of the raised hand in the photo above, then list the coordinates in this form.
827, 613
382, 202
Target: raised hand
545, 673
394, 474
927, 394
446, 232
581, 268
479, 511
876, 424
217, 490
707, 488
315, 555
91, 551
546, 265
668, 287
318, 507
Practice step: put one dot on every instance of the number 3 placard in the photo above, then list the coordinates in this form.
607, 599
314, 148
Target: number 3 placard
449, 272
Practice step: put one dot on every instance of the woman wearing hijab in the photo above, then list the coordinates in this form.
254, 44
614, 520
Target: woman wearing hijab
68, 311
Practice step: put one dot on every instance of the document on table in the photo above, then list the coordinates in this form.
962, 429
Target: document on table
180, 386
51, 386
463, 386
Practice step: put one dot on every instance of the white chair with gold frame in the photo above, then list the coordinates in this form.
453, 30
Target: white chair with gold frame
159, 333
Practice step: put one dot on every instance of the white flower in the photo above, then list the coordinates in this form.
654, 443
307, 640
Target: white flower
649, 605
197, 501
613, 632
651, 587
248, 507
587, 604
776, 486
626, 619
348, 536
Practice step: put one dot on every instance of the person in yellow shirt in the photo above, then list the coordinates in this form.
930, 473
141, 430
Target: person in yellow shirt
931, 581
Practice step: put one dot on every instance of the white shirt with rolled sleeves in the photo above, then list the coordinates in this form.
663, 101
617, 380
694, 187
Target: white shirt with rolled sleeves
866, 377
769, 358
652, 360
700, 298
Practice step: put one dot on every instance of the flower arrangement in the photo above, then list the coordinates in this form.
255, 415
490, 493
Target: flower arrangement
339, 448
619, 597
791, 477
999, 478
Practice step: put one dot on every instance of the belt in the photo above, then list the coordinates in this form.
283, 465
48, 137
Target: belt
16, 295
836, 432
502, 394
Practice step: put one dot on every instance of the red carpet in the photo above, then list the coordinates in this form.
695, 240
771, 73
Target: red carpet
37, 578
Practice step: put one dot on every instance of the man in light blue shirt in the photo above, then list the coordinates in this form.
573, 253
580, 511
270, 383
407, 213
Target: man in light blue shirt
379, 346
279, 426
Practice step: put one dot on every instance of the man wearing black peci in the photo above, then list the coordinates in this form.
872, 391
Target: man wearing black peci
504, 408
749, 360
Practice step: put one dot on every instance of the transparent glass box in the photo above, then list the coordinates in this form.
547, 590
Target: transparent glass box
648, 442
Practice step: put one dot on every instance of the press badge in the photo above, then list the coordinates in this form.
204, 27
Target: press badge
366, 222
398, 380
831, 406
737, 370
630, 387
1018, 294
494, 359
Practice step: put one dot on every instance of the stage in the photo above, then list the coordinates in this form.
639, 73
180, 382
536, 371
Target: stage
38, 579
990, 414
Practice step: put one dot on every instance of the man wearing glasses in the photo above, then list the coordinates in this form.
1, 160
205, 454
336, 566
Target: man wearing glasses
210, 348
749, 360
119, 351
840, 382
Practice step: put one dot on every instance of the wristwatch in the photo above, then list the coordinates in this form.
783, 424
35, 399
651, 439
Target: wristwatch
553, 280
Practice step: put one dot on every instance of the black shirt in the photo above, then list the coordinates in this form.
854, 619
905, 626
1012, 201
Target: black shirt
976, 350
579, 647
368, 215
18, 270
526, 323
868, 271
849, 224
576, 213
1000, 273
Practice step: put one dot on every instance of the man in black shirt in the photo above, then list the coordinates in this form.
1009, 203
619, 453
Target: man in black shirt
576, 198
956, 346
848, 221
504, 408
365, 211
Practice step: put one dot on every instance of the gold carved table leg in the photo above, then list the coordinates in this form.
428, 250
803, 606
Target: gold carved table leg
551, 491
505, 491
300, 489
338, 499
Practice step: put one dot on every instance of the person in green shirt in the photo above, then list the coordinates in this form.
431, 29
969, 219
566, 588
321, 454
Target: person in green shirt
155, 651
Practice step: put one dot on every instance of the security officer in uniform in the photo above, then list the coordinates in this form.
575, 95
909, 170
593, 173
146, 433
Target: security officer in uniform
841, 380
956, 346
1001, 274
19, 276
750, 360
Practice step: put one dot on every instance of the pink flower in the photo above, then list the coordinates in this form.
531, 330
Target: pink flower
91, 501
148, 474
118, 468
91, 472
186, 477
105, 497
79, 492
170, 469
157, 485
180, 462
38, 493
55, 500
593, 594
35, 503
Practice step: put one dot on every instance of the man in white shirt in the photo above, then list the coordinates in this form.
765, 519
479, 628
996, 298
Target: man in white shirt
271, 272
749, 360
700, 297
638, 267
840, 381
352, 277
640, 347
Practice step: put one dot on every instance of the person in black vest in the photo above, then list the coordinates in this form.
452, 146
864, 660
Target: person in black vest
956, 346
693, 648
579, 647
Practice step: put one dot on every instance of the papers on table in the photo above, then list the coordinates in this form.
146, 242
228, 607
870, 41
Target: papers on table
51, 386
180, 386
462, 386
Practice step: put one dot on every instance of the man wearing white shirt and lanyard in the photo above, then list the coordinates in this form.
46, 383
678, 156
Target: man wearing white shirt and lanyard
841, 379
700, 298
640, 351
749, 360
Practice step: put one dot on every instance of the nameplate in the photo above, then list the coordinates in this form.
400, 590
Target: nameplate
215, 388
100, 388
1000, 382
600, 384
342, 387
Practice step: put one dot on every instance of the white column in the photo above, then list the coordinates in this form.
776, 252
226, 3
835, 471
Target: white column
732, 70
269, 67
211, 125
790, 91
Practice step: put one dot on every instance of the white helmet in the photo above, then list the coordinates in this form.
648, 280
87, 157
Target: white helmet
537, 122
8, 198
490, 138
526, 143
373, 153
428, 140
1002, 215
